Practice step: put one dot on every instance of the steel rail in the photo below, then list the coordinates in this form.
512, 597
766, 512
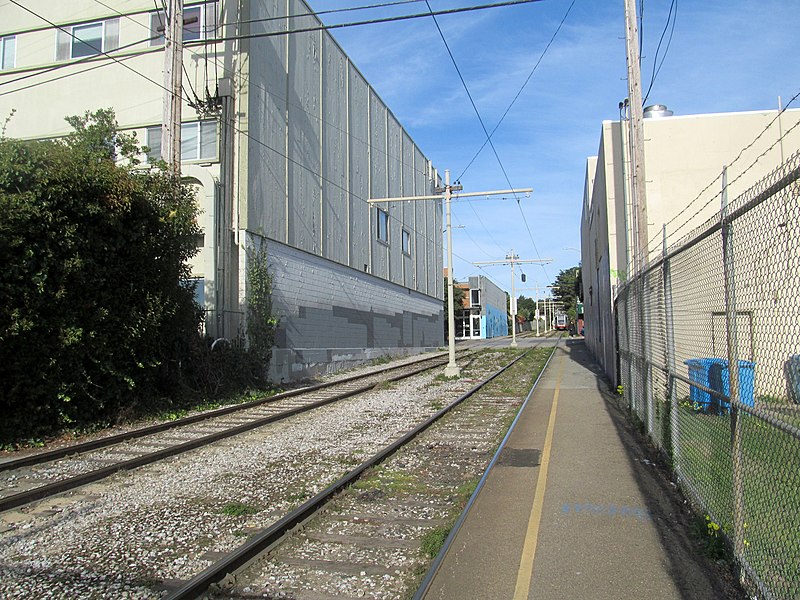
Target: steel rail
425, 584
70, 483
272, 534
42, 457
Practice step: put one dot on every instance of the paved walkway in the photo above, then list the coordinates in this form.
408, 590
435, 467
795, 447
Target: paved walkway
573, 509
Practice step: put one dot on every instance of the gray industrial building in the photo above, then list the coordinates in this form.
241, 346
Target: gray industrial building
297, 143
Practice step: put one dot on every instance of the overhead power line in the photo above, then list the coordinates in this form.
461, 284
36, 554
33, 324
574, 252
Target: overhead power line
450, 11
657, 65
330, 11
483, 126
226, 70
99, 50
72, 63
247, 134
519, 93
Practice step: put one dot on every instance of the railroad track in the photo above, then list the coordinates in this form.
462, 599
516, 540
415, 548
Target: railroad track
367, 540
45, 474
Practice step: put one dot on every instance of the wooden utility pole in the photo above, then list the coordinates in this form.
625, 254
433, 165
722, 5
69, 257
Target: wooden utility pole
636, 122
173, 80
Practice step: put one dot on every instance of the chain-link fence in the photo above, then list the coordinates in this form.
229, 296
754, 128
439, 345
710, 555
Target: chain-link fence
709, 348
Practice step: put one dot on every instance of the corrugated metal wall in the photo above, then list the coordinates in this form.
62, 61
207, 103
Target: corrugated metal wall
320, 143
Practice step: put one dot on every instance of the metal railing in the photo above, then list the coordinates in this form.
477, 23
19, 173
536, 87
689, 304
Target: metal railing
708, 342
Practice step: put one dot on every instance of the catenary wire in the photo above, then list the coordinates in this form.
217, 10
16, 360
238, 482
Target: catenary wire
670, 17
519, 92
477, 216
483, 125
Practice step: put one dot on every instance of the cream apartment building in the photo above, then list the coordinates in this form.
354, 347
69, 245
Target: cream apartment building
684, 158
285, 142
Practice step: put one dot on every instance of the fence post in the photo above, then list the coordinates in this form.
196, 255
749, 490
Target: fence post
630, 393
674, 441
737, 478
647, 345
644, 364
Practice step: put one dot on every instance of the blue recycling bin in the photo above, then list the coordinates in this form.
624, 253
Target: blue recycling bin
698, 372
719, 379
715, 374
792, 370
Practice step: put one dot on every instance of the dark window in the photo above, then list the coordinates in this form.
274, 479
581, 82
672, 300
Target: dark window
383, 225
90, 39
475, 297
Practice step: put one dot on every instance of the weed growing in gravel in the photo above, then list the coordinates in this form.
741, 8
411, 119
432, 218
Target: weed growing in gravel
386, 385
441, 377
298, 496
238, 509
465, 490
434, 540
387, 480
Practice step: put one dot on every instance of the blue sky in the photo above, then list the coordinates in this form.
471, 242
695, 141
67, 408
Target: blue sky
724, 56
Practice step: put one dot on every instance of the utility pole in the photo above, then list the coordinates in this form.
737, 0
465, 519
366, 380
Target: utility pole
452, 369
639, 200
173, 80
636, 122
544, 306
512, 259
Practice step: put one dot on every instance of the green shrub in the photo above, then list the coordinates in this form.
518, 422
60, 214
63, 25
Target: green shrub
93, 313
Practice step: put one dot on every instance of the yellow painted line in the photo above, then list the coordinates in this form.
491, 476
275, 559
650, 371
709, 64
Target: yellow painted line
531, 537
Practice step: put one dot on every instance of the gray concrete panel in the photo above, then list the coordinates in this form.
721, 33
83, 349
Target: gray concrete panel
378, 180
266, 172
334, 153
358, 121
422, 187
304, 142
435, 271
394, 157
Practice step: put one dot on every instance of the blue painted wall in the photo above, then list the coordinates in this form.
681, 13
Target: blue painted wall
494, 323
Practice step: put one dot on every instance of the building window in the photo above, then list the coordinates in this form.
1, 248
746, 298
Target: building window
406, 242
199, 289
89, 39
475, 297
198, 141
383, 225
195, 24
8, 51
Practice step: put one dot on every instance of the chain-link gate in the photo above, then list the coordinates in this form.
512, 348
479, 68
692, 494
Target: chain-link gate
709, 361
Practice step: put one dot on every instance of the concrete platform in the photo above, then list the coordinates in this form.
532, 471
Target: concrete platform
575, 508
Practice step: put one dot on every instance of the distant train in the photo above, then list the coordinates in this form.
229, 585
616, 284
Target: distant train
560, 322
